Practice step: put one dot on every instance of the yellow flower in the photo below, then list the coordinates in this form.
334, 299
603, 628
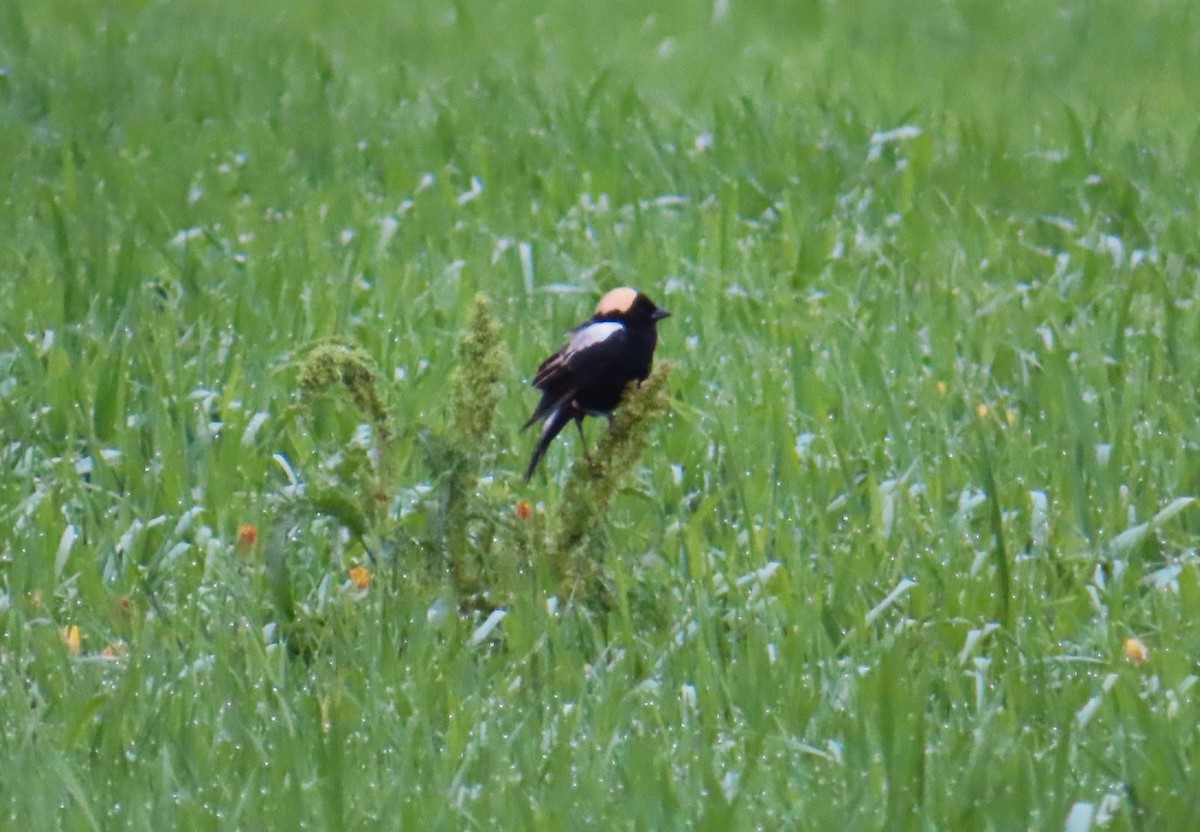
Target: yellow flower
71, 636
941, 388
1135, 650
982, 411
360, 576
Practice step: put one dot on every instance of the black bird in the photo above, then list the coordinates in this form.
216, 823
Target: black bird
588, 376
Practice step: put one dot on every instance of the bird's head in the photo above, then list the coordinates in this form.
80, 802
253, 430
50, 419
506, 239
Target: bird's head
629, 306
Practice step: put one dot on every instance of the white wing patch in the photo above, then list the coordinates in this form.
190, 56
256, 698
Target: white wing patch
593, 334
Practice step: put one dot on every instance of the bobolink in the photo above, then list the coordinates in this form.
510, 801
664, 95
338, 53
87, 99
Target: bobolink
588, 376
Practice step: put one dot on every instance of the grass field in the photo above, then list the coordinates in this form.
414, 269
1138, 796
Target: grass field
913, 548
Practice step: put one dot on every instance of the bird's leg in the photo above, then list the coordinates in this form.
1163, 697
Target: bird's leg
582, 438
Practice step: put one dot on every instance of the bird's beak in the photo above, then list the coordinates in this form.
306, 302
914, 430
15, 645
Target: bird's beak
659, 314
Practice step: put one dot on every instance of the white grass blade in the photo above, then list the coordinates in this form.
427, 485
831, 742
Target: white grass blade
1173, 508
1131, 537
69, 536
1079, 819
892, 597
1134, 535
485, 629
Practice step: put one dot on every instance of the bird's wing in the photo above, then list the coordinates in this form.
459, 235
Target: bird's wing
591, 348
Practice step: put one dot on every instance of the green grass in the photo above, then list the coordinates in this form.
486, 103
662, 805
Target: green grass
875, 569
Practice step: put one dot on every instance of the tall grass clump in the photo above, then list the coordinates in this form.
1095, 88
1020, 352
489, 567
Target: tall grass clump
459, 454
359, 496
350, 485
577, 550
468, 531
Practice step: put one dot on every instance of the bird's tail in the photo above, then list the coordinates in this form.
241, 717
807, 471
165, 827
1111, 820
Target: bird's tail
558, 419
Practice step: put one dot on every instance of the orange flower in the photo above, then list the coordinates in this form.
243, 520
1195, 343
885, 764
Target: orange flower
360, 576
73, 639
524, 510
114, 650
123, 608
247, 536
1135, 650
